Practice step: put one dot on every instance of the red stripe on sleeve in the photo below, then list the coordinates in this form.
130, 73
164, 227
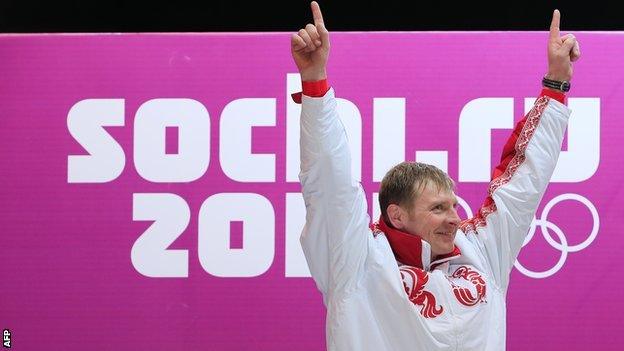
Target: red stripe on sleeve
513, 156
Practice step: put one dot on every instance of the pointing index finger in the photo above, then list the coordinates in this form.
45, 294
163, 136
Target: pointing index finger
554, 25
316, 13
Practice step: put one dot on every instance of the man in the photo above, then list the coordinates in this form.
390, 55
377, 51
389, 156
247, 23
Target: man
419, 279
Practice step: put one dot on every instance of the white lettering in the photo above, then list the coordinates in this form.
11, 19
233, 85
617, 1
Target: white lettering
388, 135
171, 216
435, 158
106, 159
235, 156
215, 254
477, 119
296, 264
191, 160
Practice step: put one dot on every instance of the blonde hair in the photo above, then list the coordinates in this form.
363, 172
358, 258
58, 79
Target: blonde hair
405, 182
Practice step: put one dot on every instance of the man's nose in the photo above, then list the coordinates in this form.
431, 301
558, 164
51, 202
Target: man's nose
454, 217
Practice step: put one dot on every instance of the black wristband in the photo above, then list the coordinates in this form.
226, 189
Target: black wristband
555, 84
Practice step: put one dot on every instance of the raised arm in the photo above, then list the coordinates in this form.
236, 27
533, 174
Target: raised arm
334, 238
528, 161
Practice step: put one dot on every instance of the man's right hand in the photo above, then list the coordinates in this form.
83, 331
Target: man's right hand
310, 47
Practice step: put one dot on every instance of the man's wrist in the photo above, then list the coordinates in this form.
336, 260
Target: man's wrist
561, 85
311, 76
557, 77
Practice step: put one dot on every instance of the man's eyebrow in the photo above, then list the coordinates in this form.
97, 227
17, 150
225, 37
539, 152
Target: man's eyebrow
443, 202
453, 201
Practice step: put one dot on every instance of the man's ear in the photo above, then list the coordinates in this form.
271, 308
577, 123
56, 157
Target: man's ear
396, 215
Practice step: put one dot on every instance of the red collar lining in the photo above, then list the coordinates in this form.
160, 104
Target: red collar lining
407, 248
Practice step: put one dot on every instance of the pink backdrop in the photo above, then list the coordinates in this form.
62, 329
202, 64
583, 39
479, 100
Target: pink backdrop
68, 281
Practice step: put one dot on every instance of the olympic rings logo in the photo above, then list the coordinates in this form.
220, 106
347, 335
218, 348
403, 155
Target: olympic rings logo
546, 227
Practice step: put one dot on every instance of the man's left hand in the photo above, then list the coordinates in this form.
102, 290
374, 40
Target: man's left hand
562, 51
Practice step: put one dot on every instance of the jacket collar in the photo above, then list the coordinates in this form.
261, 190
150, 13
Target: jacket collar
411, 249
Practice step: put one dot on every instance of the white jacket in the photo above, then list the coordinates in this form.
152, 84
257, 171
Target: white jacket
375, 303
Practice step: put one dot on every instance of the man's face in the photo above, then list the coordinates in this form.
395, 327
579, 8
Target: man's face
434, 218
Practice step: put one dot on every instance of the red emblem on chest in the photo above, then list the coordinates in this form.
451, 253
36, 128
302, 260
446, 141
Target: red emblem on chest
464, 295
416, 291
